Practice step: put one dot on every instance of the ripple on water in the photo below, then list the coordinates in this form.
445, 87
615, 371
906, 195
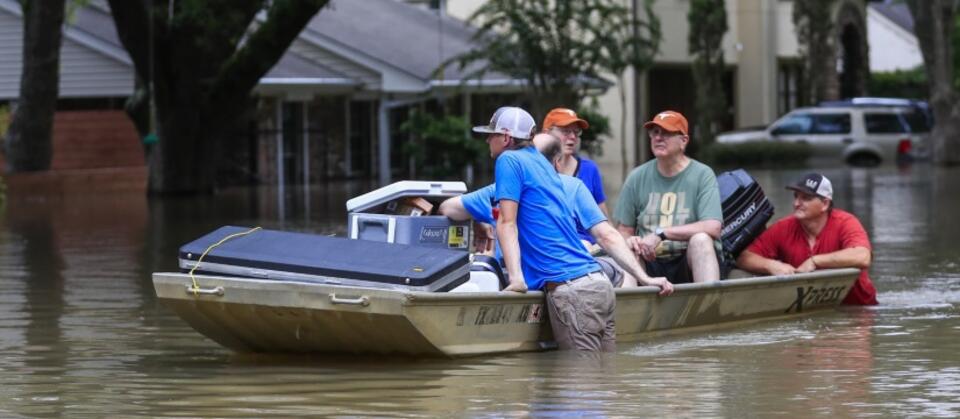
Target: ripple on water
762, 336
933, 292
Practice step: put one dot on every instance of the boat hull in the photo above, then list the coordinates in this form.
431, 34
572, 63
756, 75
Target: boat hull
250, 315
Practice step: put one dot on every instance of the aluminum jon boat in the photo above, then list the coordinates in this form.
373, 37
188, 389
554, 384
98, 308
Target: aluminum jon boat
271, 316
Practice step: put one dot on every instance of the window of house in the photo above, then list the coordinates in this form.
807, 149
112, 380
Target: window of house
789, 84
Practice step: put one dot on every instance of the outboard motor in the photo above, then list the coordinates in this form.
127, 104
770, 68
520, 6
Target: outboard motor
746, 211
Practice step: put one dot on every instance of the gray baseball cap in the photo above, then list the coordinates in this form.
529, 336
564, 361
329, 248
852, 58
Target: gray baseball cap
509, 120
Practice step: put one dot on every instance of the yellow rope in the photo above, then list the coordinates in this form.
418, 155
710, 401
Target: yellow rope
196, 286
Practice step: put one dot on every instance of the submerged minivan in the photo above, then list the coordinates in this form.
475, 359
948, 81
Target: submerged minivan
857, 135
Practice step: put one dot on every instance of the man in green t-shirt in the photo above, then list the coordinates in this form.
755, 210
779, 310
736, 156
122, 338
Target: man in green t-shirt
669, 207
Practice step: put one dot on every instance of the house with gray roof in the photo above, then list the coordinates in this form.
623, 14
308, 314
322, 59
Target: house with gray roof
92, 61
330, 108
891, 38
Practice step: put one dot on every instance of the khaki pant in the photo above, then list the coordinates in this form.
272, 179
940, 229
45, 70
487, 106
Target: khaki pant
581, 313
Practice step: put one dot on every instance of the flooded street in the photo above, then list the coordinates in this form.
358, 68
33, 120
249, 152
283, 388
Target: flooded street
82, 333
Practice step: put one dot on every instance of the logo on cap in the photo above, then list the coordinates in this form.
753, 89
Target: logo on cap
813, 184
664, 116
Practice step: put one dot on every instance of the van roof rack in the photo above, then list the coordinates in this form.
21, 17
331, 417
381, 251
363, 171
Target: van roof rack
876, 101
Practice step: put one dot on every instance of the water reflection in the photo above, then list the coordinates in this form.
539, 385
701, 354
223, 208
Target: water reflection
33, 244
81, 332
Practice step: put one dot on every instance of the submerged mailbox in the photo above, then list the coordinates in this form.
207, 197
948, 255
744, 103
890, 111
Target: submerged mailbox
403, 212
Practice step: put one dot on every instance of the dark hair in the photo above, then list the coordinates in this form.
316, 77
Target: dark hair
519, 143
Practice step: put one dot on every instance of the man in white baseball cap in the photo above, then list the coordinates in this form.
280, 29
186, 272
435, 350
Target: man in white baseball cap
815, 236
539, 241
507, 124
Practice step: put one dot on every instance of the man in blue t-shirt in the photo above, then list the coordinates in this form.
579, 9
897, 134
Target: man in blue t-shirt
537, 232
479, 205
541, 249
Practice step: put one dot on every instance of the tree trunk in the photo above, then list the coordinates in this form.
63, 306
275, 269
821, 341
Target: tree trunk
813, 21
934, 22
203, 73
708, 23
29, 142
622, 89
184, 161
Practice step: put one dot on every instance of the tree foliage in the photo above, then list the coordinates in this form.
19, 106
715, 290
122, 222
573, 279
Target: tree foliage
591, 140
4, 119
557, 46
29, 139
633, 42
203, 59
913, 83
708, 24
934, 25
814, 26
442, 147
910, 84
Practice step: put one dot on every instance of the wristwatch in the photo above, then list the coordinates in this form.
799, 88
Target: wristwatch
660, 233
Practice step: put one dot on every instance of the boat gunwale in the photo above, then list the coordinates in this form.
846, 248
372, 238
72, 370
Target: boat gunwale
726, 284
413, 297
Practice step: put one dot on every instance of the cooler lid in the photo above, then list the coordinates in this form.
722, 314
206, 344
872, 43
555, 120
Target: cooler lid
403, 188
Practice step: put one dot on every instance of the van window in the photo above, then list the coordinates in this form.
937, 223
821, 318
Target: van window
831, 123
885, 123
814, 123
917, 121
794, 124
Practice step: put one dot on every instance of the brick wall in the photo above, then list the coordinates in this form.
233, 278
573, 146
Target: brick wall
93, 140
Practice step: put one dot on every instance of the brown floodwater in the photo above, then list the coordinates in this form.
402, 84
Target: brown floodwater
82, 333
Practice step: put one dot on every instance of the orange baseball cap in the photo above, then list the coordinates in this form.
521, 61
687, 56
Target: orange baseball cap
670, 121
561, 117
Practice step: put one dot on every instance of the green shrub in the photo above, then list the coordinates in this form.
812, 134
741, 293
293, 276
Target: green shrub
443, 145
4, 120
911, 84
756, 154
591, 139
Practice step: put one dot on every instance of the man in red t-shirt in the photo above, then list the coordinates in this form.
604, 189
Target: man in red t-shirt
815, 236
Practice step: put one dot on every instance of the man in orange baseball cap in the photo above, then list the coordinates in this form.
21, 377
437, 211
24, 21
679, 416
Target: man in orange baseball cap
669, 207
670, 121
564, 124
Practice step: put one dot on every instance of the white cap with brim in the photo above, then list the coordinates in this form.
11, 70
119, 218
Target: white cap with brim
509, 120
